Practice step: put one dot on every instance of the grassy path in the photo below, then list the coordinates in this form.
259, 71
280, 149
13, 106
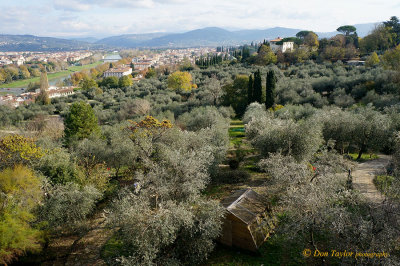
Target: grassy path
51, 76
274, 251
363, 177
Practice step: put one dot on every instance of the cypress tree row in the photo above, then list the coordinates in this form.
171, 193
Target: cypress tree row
257, 87
250, 92
270, 90
204, 62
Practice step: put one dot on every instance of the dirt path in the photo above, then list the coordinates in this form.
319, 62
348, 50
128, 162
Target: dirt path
363, 177
80, 250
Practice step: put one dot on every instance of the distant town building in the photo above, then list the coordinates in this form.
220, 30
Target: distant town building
112, 58
284, 47
140, 63
18, 60
118, 72
29, 97
356, 62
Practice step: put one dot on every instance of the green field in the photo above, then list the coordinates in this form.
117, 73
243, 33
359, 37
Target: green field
51, 76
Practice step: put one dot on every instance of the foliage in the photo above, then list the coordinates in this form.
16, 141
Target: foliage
58, 166
210, 122
383, 182
250, 91
302, 34
233, 176
270, 89
118, 150
319, 208
87, 84
17, 149
80, 122
265, 56
125, 81
43, 97
257, 87
254, 111
213, 88
300, 140
364, 129
347, 29
311, 39
236, 94
57, 210
20, 192
180, 81
149, 127
391, 59
110, 82
372, 60
174, 169
380, 39
151, 73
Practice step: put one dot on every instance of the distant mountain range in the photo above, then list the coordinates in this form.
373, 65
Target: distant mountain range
211, 36
201, 37
34, 43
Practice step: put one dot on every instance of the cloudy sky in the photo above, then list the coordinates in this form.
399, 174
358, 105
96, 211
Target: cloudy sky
100, 18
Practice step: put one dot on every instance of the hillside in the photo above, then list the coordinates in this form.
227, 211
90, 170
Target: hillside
35, 43
212, 36
129, 40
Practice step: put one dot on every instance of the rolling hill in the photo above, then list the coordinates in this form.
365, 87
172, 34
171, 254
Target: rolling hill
211, 36
35, 43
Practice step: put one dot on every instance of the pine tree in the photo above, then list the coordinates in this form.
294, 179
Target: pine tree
81, 122
250, 92
43, 97
270, 90
257, 87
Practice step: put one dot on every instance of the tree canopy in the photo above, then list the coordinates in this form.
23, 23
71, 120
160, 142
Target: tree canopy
180, 81
80, 122
265, 56
346, 29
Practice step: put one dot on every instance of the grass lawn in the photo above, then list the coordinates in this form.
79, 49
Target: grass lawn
51, 76
276, 251
364, 156
236, 133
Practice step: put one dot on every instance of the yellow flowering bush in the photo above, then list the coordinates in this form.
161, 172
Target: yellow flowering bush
17, 149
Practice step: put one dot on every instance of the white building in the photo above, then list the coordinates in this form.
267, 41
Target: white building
143, 65
284, 47
54, 92
118, 72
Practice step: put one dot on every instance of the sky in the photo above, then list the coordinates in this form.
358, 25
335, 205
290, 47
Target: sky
101, 18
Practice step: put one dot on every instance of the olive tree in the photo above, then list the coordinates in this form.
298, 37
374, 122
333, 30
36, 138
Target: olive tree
169, 222
298, 139
57, 208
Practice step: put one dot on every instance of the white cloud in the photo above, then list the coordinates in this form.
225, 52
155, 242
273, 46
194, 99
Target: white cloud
100, 17
71, 5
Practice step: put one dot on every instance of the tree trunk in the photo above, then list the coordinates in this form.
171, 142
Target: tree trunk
362, 150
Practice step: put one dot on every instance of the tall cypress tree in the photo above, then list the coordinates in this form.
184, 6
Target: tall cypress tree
43, 96
257, 87
270, 91
250, 96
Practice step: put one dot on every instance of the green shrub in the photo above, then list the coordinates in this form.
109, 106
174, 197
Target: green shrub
231, 176
383, 182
